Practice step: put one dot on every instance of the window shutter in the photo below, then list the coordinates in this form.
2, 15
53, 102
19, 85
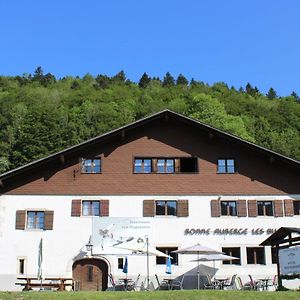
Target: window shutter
20, 219
252, 208
149, 208
289, 207
215, 208
278, 209
154, 165
76, 208
177, 165
104, 208
241, 208
182, 208
49, 219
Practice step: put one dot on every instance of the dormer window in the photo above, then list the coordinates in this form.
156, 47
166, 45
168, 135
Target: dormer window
142, 165
91, 165
226, 165
165, 165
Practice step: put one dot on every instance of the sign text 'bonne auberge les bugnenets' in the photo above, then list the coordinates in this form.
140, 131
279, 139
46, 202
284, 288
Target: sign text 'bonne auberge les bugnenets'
228, 231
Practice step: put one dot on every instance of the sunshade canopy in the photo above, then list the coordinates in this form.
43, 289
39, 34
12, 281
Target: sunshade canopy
141, 248
213, 257
197, 249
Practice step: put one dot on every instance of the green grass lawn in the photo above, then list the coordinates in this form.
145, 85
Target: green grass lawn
176, 295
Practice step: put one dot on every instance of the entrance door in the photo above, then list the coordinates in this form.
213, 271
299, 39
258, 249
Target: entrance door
90, 275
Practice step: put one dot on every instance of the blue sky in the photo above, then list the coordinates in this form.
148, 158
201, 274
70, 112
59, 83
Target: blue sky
234, 41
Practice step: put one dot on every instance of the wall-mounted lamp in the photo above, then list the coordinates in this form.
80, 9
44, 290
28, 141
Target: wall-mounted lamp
89, 246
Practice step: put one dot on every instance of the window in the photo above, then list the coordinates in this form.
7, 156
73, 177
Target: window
21, 266
296, 207
120, 263
226, 165
35, 220
228, 208
188, 165
90, 273
264, 208
255, 256
142, 165
166, 208
167, 250
232, 251
165, 165
91, 165
91, 208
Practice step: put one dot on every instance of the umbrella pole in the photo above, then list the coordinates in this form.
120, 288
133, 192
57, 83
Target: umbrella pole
198, 272
147, 241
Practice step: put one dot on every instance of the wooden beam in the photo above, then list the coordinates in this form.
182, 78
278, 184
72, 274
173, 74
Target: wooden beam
62, 159
1, 183
278, 269
290, 240
123, 135
288, 246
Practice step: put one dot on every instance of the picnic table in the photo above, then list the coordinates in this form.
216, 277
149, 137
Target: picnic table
53, 282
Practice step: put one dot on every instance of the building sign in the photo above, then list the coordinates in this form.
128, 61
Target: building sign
110, 232
289, 260
228, 231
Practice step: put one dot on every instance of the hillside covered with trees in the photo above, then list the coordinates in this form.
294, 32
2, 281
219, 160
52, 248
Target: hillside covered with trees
40, 114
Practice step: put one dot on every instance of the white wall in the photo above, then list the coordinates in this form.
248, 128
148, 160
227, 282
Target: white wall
70, 234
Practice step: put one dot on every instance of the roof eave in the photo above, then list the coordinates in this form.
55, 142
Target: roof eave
138, 123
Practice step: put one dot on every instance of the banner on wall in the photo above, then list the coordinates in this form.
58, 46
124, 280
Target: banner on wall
289, 260
110, 232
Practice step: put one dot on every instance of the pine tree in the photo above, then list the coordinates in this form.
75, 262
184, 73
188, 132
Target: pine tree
119, 77
168, 80
193, 82
103, 81
38, 74
144, 81
271, 94
181, 80
295, 95
252, 91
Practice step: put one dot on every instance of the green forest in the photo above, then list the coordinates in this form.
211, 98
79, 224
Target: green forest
41, 114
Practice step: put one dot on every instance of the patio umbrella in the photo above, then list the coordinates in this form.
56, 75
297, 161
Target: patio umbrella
40, 261
125, 268
214, 257
197, 249
141, 246
169, 266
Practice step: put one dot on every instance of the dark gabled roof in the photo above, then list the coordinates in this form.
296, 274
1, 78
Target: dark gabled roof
279, 237
160, 115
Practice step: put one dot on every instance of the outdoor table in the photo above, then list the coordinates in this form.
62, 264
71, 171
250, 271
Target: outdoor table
126, 281
62, 282
34, 282
169, 281
264, 283
220, 282
27, 285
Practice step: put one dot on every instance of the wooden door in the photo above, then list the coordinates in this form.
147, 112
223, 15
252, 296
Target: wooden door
90, 275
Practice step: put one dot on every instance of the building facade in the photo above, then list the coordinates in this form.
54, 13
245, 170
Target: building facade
169, 178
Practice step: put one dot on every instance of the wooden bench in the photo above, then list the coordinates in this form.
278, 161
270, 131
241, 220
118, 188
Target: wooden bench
55, 282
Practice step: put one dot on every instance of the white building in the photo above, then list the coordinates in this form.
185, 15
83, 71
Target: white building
175, 180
